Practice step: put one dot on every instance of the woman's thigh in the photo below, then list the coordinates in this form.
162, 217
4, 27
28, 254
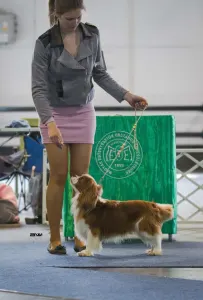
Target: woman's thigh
80, 156
58, 161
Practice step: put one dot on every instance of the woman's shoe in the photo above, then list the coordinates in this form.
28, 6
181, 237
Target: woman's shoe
61, 250
79, 246
79, 249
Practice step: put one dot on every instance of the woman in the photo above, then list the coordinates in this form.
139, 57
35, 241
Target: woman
66, 59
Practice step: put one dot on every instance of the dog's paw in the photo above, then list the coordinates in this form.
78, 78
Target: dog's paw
148, 251
85, 253
154, 252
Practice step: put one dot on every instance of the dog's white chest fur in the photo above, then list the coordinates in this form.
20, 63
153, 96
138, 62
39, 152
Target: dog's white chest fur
80, 227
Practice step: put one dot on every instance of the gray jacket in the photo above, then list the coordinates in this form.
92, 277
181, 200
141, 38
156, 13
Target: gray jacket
59, 79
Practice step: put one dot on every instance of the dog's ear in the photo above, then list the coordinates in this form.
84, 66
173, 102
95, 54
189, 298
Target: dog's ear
99, 190
88, 198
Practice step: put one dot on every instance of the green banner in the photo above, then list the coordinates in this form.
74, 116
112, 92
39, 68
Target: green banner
145, 169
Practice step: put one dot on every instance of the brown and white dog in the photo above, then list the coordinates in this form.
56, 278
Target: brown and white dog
97, 219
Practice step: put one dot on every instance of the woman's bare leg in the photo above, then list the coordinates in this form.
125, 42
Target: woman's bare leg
58, 161
80, 155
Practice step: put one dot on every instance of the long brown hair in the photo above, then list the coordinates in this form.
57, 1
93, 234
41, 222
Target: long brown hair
59, 7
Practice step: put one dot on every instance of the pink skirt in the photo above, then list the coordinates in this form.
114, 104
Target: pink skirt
77, 124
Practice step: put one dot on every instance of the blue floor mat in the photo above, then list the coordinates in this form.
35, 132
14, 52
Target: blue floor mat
96, 285
175, 254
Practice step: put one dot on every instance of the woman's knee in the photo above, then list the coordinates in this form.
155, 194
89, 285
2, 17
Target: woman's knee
58, 178
58, 161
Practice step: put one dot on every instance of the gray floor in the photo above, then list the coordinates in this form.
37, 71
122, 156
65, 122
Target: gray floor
8, 295
191, 274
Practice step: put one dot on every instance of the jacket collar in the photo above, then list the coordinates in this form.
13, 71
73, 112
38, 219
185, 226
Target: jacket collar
56, 38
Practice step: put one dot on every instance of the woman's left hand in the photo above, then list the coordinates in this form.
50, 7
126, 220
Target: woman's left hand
136, 102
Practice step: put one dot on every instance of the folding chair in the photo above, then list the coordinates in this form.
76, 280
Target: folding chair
18, 167
11, 170
34, 150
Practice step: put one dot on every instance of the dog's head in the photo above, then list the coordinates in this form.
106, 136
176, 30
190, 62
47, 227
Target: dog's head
88, 190
163, 212
166, 212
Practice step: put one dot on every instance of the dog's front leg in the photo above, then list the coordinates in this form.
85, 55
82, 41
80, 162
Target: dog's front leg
156, 242
93, 244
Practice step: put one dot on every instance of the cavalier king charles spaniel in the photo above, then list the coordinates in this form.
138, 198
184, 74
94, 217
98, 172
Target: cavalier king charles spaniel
97, 219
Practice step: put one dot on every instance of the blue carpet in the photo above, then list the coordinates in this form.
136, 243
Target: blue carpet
97, 285
176, 254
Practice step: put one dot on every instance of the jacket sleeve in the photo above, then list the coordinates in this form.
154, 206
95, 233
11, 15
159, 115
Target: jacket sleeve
104, 80
40, 82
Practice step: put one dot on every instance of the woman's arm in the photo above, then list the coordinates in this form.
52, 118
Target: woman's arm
40, 83
104, 80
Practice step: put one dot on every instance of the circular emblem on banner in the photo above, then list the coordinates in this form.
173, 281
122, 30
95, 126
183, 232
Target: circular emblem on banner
126, 163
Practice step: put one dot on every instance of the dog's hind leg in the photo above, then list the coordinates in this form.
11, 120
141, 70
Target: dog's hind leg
93, 245
150, 234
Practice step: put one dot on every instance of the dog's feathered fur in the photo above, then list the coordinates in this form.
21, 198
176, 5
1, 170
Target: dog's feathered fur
98, 219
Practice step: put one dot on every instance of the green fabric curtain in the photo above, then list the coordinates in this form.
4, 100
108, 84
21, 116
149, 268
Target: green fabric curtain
146, 171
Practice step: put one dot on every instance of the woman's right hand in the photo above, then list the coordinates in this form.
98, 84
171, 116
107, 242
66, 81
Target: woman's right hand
55, 134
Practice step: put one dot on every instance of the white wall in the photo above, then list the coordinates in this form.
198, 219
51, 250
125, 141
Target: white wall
16, 59
153, 48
